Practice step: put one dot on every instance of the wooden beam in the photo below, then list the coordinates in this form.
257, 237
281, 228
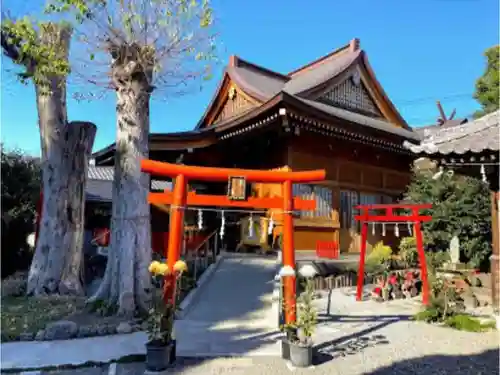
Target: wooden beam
223, 174
202, 200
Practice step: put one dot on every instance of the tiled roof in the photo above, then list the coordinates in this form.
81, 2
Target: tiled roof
320, 74
361, 119
264, 84
477, 136
100, 184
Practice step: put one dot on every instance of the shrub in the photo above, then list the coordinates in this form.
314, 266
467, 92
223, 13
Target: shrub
380, 255
468, 323
461, 206
437, 260
14, 285
408, 252
20, 192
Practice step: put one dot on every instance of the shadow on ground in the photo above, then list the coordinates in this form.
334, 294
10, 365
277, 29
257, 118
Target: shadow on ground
478, 364
354, 342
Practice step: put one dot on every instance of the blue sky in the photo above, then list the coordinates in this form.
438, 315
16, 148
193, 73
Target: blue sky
421, 51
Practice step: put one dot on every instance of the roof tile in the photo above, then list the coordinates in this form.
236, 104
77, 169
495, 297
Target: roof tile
477, 136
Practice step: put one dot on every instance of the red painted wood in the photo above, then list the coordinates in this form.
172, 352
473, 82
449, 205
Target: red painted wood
365, 217
202, 200
327, 249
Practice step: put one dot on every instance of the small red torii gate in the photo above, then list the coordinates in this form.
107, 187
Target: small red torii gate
390, 217
179, 197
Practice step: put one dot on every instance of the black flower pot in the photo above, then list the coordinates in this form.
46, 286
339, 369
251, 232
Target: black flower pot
301, 355
160, 355
285, 349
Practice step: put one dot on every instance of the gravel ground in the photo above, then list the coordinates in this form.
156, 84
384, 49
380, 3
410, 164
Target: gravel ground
366, 338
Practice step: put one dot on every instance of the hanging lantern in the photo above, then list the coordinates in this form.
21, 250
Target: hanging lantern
222, 225
200, 219
250, 227
409, 229
396, 230
373, 229
271, 225
383, 229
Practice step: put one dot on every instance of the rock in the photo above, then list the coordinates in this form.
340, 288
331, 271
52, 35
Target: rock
40, 335
124, 327
102, 329
26, 336
61, 330
85, 331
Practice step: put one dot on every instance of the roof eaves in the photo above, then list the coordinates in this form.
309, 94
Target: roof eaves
382, 92
218, 90
343, 114
477, 136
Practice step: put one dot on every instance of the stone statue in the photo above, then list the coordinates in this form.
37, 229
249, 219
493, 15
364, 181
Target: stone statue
454, 250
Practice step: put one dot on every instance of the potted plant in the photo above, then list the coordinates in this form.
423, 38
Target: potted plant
161, 345
300, 344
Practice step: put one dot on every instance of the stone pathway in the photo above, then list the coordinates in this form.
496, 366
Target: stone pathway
233, 313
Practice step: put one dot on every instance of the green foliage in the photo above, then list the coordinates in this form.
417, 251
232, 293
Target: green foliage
445, 302
408, 252
21, 178
468, 323
461, 206
38, 47
488, 85
307, 316
380, 255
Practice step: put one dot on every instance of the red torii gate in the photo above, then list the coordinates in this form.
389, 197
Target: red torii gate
179, 198
389, 217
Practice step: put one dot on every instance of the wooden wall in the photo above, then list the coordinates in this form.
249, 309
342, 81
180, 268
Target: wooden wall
348, 166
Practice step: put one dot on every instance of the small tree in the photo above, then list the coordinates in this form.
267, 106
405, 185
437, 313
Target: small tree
461, 206
21, 178
488, 85
41, 50
145, 47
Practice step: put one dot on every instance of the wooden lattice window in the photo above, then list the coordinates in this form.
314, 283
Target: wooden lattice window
321, 194
353, 96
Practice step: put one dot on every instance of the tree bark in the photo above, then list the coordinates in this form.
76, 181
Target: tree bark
65, 152
79, 144
127, 282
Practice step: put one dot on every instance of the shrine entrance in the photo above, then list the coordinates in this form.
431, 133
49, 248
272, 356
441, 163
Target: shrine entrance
179, 198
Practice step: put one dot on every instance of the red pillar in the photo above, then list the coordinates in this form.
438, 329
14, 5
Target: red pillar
176, 229
423, 264
289, 282
362, 256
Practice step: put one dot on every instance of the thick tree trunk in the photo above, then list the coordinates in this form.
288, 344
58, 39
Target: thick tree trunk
127, 283
65, 152
79, 144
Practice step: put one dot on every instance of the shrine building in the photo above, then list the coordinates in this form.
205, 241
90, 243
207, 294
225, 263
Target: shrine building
330, 114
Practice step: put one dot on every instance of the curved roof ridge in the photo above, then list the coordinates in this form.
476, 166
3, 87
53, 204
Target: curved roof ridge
235, 60
352, 46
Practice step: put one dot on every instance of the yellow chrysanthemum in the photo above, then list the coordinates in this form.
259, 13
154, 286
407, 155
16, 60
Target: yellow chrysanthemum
180, 266
163, 269
153, 267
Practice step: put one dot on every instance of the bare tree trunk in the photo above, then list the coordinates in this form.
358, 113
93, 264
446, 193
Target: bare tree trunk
127, 282
65, 148
79, 144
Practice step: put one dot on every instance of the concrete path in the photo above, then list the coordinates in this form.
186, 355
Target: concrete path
233, 314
